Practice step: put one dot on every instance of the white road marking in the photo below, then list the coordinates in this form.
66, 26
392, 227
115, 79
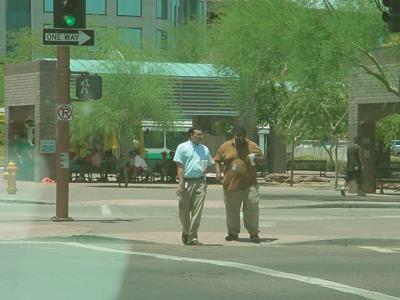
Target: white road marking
379, 249
267, 224
367, 294
106, 212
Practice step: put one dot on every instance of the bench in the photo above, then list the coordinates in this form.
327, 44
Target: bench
389, 174
308, 165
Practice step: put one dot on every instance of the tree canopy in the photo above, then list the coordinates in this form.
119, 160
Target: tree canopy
130, 94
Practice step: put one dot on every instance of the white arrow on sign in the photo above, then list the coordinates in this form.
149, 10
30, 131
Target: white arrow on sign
83, 37
80, 37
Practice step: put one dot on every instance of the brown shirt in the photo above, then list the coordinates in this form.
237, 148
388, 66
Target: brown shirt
239, 174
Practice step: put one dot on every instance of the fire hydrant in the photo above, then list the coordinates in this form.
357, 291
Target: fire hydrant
11, 176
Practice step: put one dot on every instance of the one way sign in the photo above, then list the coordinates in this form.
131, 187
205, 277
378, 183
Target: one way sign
68, 37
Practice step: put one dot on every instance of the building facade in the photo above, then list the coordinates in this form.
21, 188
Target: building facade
137, 20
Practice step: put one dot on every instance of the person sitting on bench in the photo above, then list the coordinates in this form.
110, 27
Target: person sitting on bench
137, 166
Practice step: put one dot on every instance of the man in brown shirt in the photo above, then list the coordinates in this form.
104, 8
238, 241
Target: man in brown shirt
238, 158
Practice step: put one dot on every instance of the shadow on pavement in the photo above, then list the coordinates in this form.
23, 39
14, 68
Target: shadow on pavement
338, 197
263, 240
131, 185
74, 221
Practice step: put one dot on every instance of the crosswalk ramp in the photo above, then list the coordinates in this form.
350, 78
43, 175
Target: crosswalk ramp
386, 250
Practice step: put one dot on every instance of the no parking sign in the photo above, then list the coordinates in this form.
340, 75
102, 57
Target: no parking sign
64, 112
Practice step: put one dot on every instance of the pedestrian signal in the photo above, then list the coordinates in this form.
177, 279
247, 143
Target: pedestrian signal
88, 87
392, 15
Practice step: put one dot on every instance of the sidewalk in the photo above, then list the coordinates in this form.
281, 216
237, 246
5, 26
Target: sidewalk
311, 212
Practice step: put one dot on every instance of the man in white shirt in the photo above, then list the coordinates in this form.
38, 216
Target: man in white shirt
192, 159
137, 164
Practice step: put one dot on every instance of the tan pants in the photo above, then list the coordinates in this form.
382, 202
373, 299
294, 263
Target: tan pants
233, 201
191, 205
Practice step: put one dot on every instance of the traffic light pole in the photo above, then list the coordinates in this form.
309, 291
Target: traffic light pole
62, 168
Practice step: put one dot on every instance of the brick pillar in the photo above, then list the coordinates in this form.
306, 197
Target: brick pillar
367, 135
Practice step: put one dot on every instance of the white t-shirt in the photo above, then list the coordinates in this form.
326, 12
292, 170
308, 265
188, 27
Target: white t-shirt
140, 162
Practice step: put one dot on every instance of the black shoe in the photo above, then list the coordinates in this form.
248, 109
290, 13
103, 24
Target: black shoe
342, 192
194, 243
184, 238
231, 237
255, 238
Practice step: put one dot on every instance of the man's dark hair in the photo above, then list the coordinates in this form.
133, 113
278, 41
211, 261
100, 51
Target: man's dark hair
239, 130
192, 129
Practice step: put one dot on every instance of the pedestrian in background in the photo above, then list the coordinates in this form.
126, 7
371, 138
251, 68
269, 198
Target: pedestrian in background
354, 167
192, 159
238, 157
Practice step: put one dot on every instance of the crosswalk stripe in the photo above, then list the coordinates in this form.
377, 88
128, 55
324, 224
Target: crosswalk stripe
379, 249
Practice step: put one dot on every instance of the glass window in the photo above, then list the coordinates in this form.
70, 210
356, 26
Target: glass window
130, 8
153, 139
96, 7
131, 36
174, 11
48, 6
162, 11
174, 138
161, 39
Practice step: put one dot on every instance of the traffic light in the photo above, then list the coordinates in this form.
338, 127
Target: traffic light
69, 13
392, 15
88, 87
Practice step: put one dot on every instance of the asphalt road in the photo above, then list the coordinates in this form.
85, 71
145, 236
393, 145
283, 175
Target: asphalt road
153, 271
316, 245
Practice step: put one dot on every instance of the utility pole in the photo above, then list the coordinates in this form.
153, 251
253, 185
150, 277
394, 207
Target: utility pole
69, 20
62, 151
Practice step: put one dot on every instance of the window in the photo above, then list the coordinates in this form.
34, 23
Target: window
162, 11
174, 12
175, 138
153, 139
129, 8
96, 7
161, 39
48, 6
131, 36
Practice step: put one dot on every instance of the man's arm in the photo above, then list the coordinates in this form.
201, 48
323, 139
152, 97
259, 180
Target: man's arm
218, 174
181, 184
260, 157
360, 155
218, 159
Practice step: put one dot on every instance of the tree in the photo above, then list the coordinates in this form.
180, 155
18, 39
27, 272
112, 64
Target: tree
274, 46
292, 123
188, 42
133, 90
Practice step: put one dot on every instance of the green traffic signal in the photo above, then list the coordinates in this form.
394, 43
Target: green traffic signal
69, 20
69, 13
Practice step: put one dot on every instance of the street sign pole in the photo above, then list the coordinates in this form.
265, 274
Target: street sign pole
62, 136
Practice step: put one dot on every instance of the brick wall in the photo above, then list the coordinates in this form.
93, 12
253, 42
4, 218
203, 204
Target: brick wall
370, 101
32, 85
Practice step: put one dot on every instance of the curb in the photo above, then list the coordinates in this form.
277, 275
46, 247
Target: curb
87, 238
341, 205
348, 242
20, 201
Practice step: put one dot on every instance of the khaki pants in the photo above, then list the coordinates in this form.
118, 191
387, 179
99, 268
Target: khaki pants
233, 201
191, 205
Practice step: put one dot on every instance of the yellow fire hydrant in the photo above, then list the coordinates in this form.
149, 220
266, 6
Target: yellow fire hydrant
11, 176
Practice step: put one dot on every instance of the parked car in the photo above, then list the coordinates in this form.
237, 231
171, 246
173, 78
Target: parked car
395, 147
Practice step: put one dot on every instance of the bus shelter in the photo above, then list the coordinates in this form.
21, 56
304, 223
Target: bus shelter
30, 106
